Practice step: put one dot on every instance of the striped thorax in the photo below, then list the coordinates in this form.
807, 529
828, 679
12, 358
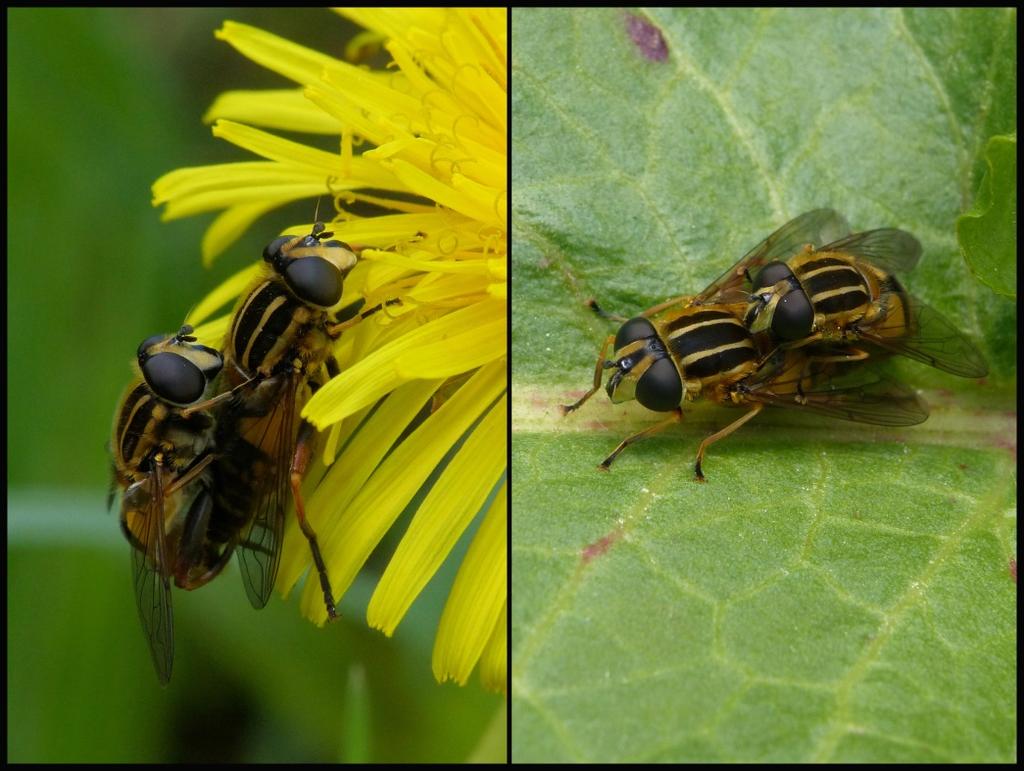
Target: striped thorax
282, 322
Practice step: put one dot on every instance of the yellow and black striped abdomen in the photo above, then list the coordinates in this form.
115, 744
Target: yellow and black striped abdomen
264, 328
835, 287
137, 430
710, 344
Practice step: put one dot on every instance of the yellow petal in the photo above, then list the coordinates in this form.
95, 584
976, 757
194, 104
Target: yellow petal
284, 109
476, 599
295, 62
381, 371
351, 536
349, 473
494, 662
449, 507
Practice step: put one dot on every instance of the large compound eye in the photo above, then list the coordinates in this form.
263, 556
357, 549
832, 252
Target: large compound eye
314, 280
793, 318
272, 250
174, 378
771, 274
148, 343
633, 330
660, 388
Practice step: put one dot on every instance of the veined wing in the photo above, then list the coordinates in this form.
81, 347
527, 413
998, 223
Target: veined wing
815, 227
847, 392
270, 438
151, 573
914, 329
896, 251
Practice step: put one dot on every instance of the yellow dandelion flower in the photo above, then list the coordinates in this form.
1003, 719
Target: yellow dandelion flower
417, 418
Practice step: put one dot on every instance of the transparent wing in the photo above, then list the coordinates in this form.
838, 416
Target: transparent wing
814, 227
924, 334
890, 249
273, 436
151, 573
848, 392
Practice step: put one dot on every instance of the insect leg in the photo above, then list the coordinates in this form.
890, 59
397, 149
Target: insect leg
677, 416
684, 300
817, 337
853, 354
336, 329
333, 370
838, 357
721, 435
189, 475
598, 371
205, 405
300, 461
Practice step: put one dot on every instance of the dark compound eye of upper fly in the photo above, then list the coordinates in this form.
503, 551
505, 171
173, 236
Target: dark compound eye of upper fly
771, 274
793, 316
314, 280
174, 378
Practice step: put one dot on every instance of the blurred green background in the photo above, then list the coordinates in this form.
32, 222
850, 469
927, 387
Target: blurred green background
101, 103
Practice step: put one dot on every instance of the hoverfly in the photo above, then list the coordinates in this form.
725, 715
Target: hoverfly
664, 358
161, 459
278, 345
841, 294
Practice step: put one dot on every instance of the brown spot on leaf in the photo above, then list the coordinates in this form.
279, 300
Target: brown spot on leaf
600, 546
647, 38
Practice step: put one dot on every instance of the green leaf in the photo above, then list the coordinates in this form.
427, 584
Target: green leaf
988, 231
835, 592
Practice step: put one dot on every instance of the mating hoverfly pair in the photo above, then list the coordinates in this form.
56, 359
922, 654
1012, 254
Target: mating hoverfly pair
791, 324
206, 443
